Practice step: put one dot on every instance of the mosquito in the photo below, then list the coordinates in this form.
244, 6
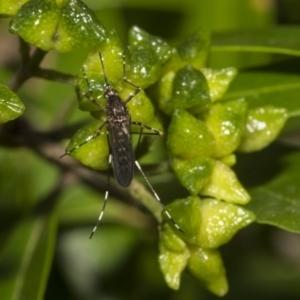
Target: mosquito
118, 127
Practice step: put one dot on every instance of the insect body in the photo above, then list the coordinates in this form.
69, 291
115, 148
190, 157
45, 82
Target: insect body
118, 123
119, 135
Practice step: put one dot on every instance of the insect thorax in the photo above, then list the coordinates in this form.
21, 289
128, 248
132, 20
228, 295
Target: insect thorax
116, 110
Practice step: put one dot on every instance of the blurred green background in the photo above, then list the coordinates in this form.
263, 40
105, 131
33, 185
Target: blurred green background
120, 262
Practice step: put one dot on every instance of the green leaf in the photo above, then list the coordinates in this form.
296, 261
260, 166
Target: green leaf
224, 185
229, 160
61, 25
273, 40
190, 89
226, 121
277, 202
182, 85
277, 85
220, 222
10, 8
146, 56
207, 266
11, 106
193, 174
187, 88
195, 49
262, 127
189, 137
218, 81
141, 110
94, 153
170, 240
173, 256
186, 213
91, 79
26, 258
172, 264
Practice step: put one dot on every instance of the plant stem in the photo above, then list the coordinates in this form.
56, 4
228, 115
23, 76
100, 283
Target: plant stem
29, 67
139, 192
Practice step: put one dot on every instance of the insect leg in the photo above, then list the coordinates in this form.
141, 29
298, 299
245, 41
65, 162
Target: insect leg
156, 132
89, 93
103, 69
157, 197
142, 125
97, 133
104, 203
141, 132
137, 88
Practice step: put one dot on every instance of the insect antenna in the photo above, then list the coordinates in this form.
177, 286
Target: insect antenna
137, 88
103, 69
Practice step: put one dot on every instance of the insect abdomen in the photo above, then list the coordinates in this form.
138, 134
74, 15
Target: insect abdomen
122, 154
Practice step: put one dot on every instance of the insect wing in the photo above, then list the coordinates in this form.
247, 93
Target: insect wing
122, 154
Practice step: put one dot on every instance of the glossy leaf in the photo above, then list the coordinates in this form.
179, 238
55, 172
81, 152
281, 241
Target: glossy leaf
195, 49
229, 160
172, 264
182, 84
185, 89
193, 174
189, 137
207, 266
190, 89
94, 153
277, 202
91, 79
147, 54
220, 222
274, 40
226, 121
26, 258
11, 106
224, 185
218, 81
10, 8
262, 127
170, 240
141, 109
173, 256
277, 85
61, 25
187, 214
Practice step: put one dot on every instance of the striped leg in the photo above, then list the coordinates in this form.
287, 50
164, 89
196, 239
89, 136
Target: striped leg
141, 132
104, 203
97, 133
155, 132
157, 197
